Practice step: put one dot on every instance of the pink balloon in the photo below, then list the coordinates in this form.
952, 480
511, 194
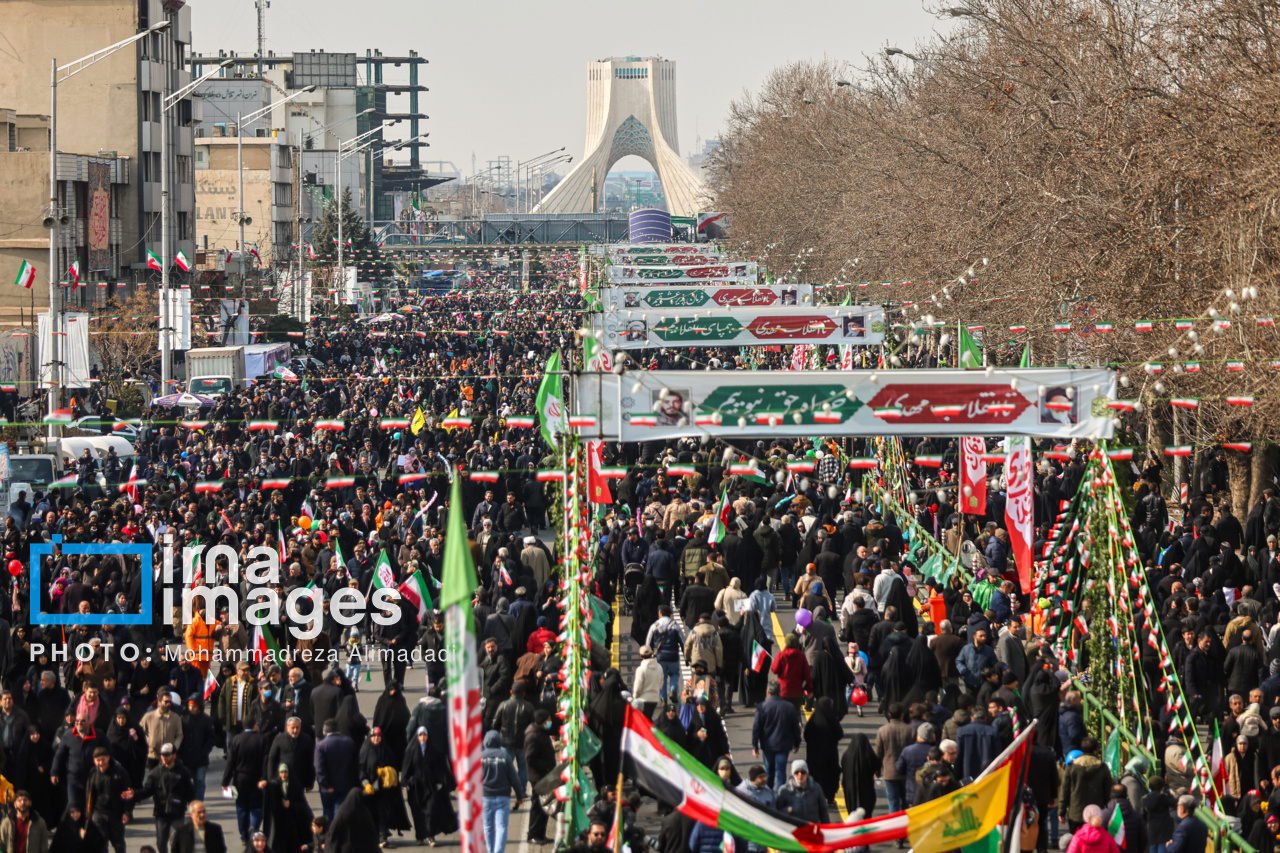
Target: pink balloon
803, 617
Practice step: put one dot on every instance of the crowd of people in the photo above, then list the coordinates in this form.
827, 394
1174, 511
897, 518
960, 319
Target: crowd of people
89, 741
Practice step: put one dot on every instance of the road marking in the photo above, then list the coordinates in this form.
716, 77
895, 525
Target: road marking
616, 657
777, 629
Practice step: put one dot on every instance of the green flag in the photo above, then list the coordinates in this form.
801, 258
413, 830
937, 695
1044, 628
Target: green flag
462, 671
550, 401
968, 354
1026, 356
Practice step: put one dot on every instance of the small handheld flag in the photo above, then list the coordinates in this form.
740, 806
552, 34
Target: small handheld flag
758, 654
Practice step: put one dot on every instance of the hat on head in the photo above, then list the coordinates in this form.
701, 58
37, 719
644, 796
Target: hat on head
798, 765
283, 768
167, 749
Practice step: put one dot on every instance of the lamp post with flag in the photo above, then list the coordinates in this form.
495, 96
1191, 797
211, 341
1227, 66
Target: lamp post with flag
54, 220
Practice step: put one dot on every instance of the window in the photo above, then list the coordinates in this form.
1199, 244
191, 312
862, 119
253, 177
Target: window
182, 170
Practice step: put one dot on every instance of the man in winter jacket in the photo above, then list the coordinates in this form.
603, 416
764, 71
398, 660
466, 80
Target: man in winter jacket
647, 685
1190, 835
500, 781
665, 638
802, 798
661, 564
335, 762
108, 789
512, 718
73, 759
170, 787
756, 788
977, 744
245, 768
776, 730
913, 758
198, 739
1135, 828
1086, 782
891, 739
974, 658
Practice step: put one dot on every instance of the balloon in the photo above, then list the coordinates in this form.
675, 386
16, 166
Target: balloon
304, 523
803, 617
858, 696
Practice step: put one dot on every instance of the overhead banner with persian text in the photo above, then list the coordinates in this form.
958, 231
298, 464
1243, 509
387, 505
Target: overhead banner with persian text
689, 260
642, 297
654, 273
662, 404
685, 327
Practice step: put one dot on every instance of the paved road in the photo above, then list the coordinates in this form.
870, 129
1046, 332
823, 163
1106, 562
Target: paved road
738, 725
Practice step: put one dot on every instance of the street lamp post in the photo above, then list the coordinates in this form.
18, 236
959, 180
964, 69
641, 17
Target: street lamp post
240, 121
53, 221
524, 164
168, 102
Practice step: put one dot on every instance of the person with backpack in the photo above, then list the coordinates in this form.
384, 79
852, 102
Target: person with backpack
666, 639
703, 644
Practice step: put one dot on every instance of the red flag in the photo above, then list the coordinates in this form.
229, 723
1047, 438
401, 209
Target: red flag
973, 475
1018, 512
597, 485
131, 488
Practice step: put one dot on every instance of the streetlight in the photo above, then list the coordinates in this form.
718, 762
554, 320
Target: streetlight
166, 333
240, 217
520, 164
352, 145
897, 51
54, 220
541, 170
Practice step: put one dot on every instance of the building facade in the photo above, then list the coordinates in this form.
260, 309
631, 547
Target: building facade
268, 194
110, 111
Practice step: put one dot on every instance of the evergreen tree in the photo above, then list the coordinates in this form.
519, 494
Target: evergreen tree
353, 229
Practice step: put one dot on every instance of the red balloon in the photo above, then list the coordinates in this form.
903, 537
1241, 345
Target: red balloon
15, 567
858, 696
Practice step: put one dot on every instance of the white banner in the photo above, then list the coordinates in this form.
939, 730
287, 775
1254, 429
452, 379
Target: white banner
663, 404
179, 319
818, 324
658, 274
73, 350
732, 295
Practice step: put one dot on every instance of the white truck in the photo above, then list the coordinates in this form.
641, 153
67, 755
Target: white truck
214, 371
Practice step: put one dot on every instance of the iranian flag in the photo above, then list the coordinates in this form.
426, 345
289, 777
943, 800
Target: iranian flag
1116, 828
264, 645
153, 262
758, 654
720, 523
74, 272
26, 275
210, 684
383, 577
416, 590
284, 373
183, 262
462, 673
597, 485
1018, 518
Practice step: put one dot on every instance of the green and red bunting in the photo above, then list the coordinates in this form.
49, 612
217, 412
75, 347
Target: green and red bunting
339, 482
462, 673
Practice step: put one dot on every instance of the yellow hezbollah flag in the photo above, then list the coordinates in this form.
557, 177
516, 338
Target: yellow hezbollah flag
452, 414
960, 818
419, 421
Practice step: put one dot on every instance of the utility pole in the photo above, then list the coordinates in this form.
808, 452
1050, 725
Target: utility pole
262, 6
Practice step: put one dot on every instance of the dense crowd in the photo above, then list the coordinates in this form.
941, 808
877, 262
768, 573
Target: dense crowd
956, 665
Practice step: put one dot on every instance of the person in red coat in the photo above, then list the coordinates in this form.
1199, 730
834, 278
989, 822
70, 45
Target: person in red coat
792, 670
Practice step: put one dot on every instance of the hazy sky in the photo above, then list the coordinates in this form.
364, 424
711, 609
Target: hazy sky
507, 77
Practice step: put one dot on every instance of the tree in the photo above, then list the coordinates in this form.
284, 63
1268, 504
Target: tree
126, 341
1047, 162
353, 227
276, 329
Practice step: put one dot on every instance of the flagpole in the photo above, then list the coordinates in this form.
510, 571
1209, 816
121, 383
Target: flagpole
617, 818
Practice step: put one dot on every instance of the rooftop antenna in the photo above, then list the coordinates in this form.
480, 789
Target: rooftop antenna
262, 6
